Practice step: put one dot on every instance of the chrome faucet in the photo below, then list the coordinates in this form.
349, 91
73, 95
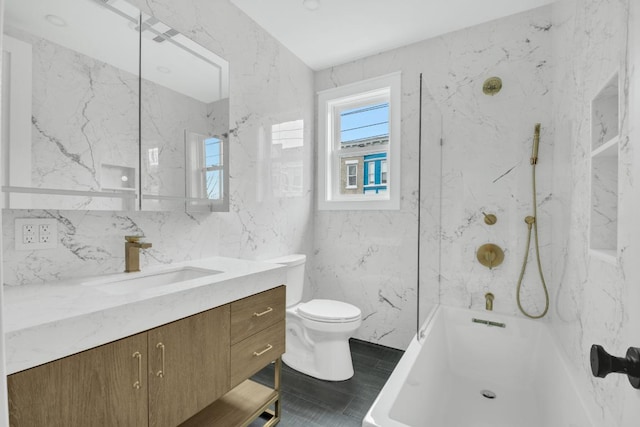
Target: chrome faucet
488, 304
132, 248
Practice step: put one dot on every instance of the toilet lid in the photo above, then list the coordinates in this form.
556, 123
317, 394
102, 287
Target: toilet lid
325, 310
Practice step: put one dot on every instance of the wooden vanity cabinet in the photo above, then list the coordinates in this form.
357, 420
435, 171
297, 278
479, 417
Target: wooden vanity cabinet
257, 339
188, 366
103, 386
191, 372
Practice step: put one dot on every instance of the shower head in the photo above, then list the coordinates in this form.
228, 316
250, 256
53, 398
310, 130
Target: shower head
536, 142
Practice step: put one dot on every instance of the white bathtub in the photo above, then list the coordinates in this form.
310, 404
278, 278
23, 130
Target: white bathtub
440, 382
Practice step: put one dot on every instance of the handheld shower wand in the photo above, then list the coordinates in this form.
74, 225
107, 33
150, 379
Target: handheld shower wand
532, 223
536, 142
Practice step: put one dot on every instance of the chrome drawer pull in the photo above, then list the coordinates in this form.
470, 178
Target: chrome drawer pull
138, 383
268, 310
260, 353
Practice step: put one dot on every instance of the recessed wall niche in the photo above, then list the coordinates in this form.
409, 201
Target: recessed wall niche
605, 131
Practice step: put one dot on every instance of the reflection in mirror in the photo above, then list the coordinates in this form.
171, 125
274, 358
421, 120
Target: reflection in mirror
184, 122
77, 131
286, 178
70, 104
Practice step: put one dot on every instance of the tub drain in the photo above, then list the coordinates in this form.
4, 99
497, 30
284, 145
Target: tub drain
488, 394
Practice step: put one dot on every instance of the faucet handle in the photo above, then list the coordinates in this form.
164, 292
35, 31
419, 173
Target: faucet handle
133, 239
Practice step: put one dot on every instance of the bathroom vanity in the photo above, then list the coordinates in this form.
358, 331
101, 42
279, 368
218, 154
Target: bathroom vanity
177, 354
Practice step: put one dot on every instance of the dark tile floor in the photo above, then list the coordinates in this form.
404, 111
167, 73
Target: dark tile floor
310, 402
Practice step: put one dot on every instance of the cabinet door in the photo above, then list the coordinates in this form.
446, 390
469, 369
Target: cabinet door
104, 386
188, 366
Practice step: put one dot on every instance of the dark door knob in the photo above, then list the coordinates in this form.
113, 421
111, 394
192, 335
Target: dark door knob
602, 364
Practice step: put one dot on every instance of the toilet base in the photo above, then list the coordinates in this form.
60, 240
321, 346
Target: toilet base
329, 361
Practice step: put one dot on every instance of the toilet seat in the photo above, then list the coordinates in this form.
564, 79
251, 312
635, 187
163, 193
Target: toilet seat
329, 311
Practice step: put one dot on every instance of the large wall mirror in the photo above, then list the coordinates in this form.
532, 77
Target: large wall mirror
107, 108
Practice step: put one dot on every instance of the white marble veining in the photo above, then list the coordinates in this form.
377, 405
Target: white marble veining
482, 166
166, 116
594, 299
552, 61
84, 114
268, 86
53, 320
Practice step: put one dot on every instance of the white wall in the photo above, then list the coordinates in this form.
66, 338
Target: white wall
549, 74
268, 86
368, 258
552, 62
595, 301
4, 409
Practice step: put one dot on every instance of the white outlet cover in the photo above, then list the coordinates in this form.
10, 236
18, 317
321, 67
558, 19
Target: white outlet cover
52, 241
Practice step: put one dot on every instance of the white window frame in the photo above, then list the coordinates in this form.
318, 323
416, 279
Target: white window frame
347, 164
330, 103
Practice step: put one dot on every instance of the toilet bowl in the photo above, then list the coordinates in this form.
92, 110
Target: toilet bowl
317, 331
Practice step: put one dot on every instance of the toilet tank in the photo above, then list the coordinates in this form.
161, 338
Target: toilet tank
295, 276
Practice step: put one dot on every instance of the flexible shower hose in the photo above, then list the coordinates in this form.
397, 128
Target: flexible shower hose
533, 223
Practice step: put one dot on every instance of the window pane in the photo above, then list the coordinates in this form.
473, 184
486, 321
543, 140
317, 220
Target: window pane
352, 175
383, 172
214, 184
212, 152
372, 173
362, 126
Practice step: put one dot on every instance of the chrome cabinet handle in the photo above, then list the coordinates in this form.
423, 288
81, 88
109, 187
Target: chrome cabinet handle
138, 383
160, 373
260, 353
268, 310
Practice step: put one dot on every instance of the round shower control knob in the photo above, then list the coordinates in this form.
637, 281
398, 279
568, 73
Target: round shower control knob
602, 364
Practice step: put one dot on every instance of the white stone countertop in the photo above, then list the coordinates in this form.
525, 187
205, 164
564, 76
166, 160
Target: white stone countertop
53, 320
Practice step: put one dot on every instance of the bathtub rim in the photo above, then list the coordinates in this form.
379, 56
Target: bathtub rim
381, 407
378, 413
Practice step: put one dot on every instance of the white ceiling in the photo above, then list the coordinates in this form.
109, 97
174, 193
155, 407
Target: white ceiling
340, 31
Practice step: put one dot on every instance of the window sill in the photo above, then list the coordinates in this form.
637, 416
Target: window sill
359, 205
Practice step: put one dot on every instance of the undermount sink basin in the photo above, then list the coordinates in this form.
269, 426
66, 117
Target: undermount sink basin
141, 281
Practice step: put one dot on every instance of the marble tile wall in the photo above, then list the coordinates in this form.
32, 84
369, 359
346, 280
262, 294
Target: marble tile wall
483, 166
595, 300
74, 124
551, 61
268, 86
72, 151
166, 116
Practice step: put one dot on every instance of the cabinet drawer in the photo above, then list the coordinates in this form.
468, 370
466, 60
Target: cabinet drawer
256, 352
257, 312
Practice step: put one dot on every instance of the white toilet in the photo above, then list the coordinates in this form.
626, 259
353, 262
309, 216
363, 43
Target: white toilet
318, 331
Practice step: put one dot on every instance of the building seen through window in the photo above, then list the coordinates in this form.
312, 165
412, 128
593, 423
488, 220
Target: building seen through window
364, 141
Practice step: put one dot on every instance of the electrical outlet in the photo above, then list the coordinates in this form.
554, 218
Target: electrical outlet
28, 234
44, 233
36, 233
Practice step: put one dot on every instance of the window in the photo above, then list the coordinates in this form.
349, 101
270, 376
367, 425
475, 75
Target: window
374, 184
352, 174
205, 164
383, 172
213, 168
359, 130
